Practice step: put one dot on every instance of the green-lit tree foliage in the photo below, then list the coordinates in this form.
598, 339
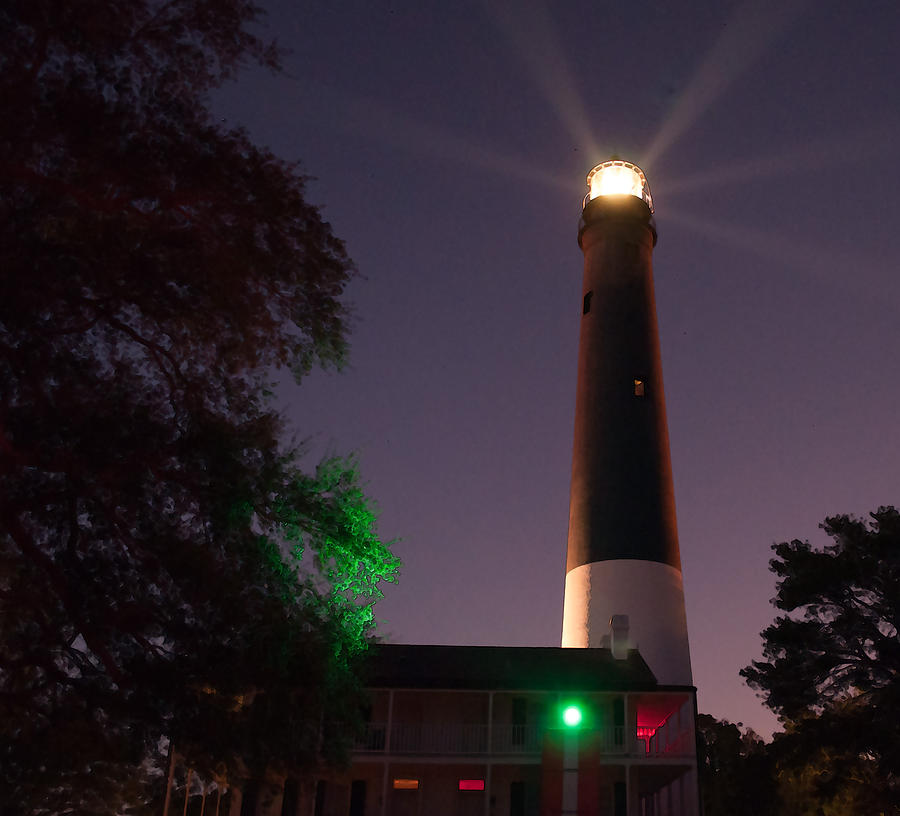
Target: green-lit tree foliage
167, 570
831, 664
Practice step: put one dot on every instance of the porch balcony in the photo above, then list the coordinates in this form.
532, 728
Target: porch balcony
460, 739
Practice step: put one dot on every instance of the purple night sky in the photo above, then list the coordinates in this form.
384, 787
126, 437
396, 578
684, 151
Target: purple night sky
450, 142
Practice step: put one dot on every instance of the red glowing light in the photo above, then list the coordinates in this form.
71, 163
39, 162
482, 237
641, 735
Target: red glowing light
471, 784
645, 731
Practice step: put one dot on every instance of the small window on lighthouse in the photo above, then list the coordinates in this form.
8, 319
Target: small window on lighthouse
587, 303
639, 388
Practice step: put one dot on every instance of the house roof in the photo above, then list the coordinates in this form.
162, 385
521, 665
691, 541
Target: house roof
513, 668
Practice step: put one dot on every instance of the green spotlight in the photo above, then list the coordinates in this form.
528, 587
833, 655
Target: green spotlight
572, 716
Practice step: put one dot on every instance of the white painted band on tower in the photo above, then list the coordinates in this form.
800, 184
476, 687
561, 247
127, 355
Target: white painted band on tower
652, 596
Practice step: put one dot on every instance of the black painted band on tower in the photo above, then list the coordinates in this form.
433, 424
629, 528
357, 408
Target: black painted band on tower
622, 500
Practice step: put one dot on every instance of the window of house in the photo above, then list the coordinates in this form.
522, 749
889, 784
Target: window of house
516, 799
471, 784
619, 721
249, 795
319, 808
519, 720
358, 797
289, 799
406, 784
620, 799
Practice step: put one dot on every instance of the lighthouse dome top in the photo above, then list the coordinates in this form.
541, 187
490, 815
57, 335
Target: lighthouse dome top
617, 177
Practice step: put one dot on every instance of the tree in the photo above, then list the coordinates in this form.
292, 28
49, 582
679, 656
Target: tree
168, 570
831, 664
813, 779
736, 773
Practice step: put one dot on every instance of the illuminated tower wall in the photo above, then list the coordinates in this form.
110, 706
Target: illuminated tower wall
623, 554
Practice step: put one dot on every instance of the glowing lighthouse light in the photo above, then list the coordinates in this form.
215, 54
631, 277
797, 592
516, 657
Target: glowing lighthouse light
616, 177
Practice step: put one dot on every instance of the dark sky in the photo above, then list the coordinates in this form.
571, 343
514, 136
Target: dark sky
450, 142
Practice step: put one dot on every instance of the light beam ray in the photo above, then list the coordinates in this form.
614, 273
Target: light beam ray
529, 29
870, 144
752, 30
403, 131
801, 257
786, 250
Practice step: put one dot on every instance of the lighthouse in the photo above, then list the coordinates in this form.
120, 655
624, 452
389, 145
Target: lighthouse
623, 567
549, 730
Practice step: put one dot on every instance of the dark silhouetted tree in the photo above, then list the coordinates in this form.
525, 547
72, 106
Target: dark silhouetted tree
736, 773
167, 569
817, 777
831, 664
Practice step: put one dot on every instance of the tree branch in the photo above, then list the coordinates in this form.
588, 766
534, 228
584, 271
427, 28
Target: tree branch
60, 583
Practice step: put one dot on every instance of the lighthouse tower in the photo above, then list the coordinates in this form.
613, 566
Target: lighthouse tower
622, 557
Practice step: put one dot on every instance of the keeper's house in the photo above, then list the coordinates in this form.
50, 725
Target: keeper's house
517, 731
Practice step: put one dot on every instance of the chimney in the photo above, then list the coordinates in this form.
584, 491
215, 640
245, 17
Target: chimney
620, 645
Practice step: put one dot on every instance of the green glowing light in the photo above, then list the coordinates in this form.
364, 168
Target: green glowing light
572, 716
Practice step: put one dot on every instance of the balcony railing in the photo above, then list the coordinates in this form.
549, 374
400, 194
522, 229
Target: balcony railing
669, 742
517, 739
462, 739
